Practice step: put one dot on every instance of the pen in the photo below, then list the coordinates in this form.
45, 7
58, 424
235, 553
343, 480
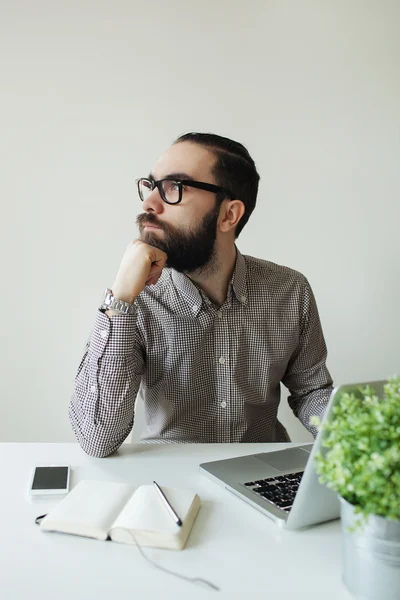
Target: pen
167, 504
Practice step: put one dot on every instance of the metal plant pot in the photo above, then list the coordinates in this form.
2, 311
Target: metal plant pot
370, 556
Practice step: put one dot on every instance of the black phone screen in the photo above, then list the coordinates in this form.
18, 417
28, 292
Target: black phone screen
50, 478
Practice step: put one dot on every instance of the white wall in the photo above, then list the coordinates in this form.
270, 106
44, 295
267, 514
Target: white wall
92, 92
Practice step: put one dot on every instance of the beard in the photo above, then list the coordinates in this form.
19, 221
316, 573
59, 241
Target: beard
187, 251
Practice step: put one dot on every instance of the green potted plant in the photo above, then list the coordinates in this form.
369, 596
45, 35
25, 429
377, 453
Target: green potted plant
360, 460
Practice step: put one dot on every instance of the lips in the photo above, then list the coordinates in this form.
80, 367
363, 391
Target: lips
149, 226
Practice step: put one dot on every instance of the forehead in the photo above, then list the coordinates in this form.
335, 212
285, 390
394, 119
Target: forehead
192, 159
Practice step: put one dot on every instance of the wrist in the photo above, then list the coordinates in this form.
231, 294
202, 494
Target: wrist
112, 313
122, 295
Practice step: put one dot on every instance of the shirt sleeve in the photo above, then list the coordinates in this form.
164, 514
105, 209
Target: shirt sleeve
307, 377
101, 410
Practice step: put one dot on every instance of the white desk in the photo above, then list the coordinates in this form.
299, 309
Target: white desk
231, 544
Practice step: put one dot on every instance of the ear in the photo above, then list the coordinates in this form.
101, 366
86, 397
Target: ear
230, 214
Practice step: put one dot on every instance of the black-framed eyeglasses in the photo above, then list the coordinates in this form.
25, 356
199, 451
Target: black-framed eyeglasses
171, 188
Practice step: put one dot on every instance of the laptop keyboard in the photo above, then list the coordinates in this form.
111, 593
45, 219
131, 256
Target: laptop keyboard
279, 490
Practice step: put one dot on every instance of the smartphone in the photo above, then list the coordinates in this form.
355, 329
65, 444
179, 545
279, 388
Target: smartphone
49, 479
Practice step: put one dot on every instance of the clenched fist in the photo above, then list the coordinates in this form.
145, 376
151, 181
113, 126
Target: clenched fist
141, 265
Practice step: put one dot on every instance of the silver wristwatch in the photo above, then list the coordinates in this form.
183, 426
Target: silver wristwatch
110, 302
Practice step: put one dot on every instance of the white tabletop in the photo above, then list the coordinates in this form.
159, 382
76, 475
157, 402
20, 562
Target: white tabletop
231, 544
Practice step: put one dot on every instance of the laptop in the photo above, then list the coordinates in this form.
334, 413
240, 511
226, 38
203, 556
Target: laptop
283, 484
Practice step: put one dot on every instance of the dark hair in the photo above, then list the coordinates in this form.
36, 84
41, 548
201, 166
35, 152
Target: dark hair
234, 169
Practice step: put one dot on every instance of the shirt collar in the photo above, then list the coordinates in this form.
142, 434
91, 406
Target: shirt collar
192, 295
188, 291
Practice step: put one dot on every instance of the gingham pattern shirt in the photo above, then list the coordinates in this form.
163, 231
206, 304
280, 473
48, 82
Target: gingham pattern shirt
205, 373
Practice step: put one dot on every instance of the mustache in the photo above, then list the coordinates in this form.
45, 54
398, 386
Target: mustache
149, 219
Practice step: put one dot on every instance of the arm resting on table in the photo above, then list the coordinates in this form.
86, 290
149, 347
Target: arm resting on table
101, 410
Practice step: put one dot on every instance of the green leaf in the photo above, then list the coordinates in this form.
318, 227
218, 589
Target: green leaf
360, 459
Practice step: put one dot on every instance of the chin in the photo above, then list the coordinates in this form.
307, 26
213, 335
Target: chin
152, 239
150, 235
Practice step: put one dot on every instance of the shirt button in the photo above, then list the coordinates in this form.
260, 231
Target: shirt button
103, 333
194, 308
219, 313
243, 298
223, 404
93, 388
221, 360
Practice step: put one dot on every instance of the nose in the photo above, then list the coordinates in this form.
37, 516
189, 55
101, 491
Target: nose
154, 202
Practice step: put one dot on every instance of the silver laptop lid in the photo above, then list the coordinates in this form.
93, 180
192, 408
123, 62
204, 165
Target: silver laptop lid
313, 502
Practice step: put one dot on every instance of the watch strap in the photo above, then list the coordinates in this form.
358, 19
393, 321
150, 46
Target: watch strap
113, 303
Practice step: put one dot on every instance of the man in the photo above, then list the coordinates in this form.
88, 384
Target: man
206, 333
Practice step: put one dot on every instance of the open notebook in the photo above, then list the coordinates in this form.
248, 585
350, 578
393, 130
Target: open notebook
109, 510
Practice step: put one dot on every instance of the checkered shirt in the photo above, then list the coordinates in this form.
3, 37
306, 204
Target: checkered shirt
205, 373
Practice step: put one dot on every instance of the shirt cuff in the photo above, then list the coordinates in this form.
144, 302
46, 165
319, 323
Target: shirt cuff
114, 336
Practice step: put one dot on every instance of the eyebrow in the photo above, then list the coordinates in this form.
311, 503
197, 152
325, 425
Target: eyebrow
174, 176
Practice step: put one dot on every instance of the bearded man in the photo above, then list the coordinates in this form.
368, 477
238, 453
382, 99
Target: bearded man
205, 334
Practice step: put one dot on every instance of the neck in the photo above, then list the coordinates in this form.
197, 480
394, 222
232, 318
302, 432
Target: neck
214, 279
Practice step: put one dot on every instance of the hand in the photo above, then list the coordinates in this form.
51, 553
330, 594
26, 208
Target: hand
141, 265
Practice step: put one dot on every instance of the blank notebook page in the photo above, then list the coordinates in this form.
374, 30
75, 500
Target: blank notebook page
145, 511
93, 504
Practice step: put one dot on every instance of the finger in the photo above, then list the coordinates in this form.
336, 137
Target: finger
160, 259
155, 270
152, 280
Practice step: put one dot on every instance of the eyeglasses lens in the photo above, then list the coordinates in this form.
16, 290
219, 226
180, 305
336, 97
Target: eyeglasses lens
171, 191
145, 189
